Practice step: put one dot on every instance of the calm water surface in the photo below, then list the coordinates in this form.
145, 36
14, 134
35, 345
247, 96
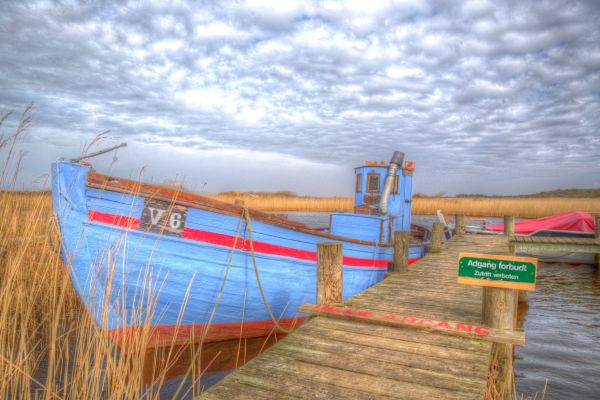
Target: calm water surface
562, 321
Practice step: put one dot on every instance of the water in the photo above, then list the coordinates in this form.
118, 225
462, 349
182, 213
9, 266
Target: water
562, 321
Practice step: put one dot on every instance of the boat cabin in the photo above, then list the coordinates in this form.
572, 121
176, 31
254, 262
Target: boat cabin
374, 218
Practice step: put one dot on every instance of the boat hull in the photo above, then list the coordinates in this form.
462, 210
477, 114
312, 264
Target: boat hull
196, 281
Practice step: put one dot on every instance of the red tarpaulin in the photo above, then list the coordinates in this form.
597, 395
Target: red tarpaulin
577, 221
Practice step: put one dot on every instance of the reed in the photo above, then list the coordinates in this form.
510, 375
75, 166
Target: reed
277, 203
520, 207
50, 346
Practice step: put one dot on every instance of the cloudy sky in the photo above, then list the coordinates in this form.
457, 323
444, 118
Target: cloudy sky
486, 97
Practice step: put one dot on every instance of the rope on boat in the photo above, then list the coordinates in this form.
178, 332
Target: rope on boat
246, 216
214, 310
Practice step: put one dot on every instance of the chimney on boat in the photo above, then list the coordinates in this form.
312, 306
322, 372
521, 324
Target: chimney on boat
395, 163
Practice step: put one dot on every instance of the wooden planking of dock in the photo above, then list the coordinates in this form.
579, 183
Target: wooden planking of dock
550, 243
355, 359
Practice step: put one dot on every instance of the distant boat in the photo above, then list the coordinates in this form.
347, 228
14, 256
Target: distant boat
133, 247
571, 224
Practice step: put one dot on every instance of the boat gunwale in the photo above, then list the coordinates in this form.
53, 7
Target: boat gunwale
147, 190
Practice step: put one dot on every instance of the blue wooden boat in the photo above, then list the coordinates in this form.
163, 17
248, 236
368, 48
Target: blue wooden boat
189, 266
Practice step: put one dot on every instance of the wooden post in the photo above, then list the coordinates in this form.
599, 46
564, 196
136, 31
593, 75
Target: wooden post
523, 297
509, 225
400, 251
499, 308
459, 224
329, 273
436, 237
597, 236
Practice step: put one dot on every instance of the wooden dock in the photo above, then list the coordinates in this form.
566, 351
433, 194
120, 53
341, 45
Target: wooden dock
560, 244
415, 335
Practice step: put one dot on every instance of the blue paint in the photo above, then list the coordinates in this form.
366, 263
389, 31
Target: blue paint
371, 227
120, 273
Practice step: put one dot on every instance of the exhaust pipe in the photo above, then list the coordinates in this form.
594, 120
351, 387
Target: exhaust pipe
395, 163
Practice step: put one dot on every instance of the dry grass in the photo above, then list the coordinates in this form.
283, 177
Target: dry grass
289, 203
521, 207
50, 347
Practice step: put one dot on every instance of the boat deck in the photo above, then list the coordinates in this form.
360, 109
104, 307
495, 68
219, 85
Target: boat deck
330, 357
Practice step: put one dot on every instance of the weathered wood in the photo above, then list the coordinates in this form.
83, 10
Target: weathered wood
98, 153
384, 343
383, 368
581, 245
509, 225
554, 240
597, 237
437, 234
499, 307
246, 391
350, 380
466, 368
459, 224
479, 332
400, 251
404, 335
523, 297
353, 358
329, 273
273, 377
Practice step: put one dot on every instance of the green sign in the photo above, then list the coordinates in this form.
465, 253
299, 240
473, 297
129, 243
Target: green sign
497, 271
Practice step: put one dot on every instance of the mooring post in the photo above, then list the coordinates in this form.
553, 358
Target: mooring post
509, 230
597, 236
400, 251
509, 225
437, 233
499, 308
329, 273
459, 224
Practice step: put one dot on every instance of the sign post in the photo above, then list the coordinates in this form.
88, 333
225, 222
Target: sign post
501, 277
488, 270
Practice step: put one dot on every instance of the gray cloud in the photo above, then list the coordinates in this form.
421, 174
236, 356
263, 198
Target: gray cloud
470, 90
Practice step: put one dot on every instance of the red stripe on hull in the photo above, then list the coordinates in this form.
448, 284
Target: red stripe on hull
178, 335
268, 248
242, 244
112, 219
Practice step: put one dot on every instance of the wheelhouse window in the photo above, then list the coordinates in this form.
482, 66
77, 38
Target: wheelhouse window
373, 183
358, 183
395, 188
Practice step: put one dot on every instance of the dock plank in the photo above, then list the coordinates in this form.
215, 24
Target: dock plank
555, 244
335, 358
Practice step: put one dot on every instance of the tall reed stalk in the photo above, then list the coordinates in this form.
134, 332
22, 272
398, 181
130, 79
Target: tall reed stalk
50, 346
